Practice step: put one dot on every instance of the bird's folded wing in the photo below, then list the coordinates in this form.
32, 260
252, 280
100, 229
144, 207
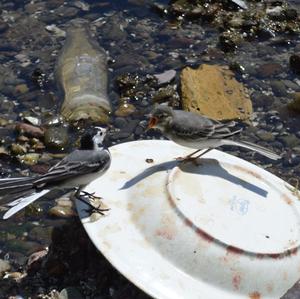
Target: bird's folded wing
66, 171
196, 127
190, 130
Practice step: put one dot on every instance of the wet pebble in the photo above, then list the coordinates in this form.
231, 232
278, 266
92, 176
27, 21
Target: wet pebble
67, 12
23, 59
3, 122
4, 266
262, 100
70, 293
120, 135
52, 4
33, 120
36, 257
17, 276
290, 140
55, 30
125, 109
165, 77
278, 88
166, 94
294, 105
46, 100
56, 137
141, 128
113, 31
30, 130
290, 84
29, 159
62, 212
82, 5
265, 135
269, 70
120, 122
18, 149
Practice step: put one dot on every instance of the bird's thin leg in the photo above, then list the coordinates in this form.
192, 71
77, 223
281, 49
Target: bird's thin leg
203, 153
84, 197
188, 156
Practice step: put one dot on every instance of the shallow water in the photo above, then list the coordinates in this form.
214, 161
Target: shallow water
141, 41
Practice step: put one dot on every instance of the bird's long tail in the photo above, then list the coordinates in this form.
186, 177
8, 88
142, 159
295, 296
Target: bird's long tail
254, 147
13, 186
17, 193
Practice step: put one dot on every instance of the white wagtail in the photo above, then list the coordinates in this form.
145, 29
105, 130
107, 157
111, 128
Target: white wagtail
199, 132
73, 172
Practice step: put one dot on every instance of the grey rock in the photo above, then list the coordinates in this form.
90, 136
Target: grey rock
113, 31
261, 100
67, 12
120, 122
291, 85
278, 88
82, 5
165, 77
289, 141
268, 70
120, 135
265, 135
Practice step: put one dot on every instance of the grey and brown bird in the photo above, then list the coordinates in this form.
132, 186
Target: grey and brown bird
199, 132
73, 172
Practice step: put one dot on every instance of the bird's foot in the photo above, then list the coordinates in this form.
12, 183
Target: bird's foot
90, 195
91, 199
191, 158
187, 159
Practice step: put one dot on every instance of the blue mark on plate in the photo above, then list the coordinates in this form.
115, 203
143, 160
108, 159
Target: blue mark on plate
239, 205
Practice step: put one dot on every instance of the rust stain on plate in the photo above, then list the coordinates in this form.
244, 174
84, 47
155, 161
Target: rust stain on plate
236, 281
168, 228
287, 199
254, 295
247, 171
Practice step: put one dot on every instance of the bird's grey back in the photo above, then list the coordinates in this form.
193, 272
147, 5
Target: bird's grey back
196, 127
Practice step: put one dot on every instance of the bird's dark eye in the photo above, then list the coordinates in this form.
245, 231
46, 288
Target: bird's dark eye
101, 133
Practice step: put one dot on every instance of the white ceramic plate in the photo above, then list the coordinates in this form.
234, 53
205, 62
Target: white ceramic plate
224, 229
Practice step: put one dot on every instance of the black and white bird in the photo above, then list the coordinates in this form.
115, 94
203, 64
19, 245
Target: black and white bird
199, 132
73, 172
